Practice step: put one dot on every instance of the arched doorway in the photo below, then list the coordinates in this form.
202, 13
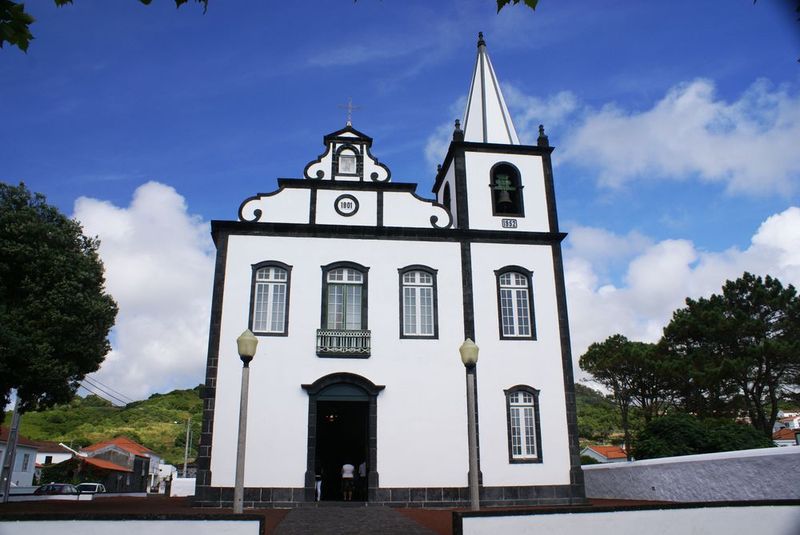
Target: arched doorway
342, 428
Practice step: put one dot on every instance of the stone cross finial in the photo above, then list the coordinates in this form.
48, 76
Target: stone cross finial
349, 107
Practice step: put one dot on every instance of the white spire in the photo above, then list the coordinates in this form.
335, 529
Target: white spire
487, 119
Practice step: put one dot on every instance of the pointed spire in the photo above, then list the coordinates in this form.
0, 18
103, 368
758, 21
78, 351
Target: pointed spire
487, 119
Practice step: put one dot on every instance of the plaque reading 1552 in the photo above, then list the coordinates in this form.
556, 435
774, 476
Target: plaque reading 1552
509, 223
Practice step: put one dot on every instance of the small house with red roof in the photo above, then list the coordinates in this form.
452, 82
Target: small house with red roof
786, 437
139, 462
605, 454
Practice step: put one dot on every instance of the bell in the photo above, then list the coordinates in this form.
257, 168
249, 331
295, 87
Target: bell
503, 198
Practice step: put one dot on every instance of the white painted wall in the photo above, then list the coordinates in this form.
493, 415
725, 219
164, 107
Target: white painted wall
286, 205
182, 486
775, 520
403, 209
479, 164
130, 527
21, 477
56, 457
506, 363
421, 413
367, 208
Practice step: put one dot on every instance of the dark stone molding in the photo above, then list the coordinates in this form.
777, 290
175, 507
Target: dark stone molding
518, 183
536, 422
272, 497
401, 316
209, 391
302, 183
460, 180
245, 228
364, 270
255, 268
528, 274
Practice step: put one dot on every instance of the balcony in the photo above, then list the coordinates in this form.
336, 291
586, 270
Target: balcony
343, 343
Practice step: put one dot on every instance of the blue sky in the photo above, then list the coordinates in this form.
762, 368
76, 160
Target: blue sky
676, 126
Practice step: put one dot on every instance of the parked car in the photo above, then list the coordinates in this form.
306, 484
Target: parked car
55, 489
91, 488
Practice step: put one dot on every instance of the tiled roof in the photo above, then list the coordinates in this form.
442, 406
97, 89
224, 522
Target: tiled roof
45, 446
105, 465
610, 452
21, 441
785, 434
123, 443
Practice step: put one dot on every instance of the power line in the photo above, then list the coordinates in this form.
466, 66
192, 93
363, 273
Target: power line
99, 384
90, 390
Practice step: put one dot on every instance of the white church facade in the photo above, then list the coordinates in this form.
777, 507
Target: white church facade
361, 292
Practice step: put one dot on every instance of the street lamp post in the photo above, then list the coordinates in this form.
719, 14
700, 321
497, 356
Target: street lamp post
469, 356
246, 345
186, 445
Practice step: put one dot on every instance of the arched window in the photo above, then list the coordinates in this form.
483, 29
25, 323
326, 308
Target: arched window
515, 303
506, 191
524, 430
269, 298
347, 162
418, 303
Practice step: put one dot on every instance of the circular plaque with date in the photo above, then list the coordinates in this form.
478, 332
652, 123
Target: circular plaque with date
346, 205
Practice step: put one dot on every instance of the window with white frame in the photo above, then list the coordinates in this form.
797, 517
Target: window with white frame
26, 461
418, 302
515, 303
345, 299
270, 298
524, 440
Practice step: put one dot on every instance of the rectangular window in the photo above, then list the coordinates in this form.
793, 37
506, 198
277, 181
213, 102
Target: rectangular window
26, 460
515, 304
418, 303
270, 299
524, 440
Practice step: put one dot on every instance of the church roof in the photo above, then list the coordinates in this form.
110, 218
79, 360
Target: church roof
486, 119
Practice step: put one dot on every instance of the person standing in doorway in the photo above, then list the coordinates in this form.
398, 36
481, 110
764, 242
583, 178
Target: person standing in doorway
348, 471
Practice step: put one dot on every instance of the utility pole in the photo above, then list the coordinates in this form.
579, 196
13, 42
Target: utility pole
7, 471
186, 447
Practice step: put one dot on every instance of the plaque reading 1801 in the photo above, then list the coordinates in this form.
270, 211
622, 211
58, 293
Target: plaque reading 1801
509, 223
346, 205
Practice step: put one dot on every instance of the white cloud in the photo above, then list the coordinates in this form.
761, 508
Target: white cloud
749, 145
159, 268
659, 276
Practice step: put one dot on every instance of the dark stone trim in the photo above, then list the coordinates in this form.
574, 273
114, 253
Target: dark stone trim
337, 136
576, 474
433, 273
536, 422
517, 182
312, 208
379, 209
549, 190
531, 309
372, 185
495, 148
348, 197
296, 230
209, 390
313, 390
460, 180
482, 61
451, 497
364, 290
256, 267
374, 176
320, 174
466, 290
126, 517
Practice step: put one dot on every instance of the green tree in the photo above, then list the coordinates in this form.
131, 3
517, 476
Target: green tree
636, 373
740, 350
682, 434
54, 313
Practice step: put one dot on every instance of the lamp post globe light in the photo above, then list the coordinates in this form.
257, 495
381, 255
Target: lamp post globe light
246, 345
469, 356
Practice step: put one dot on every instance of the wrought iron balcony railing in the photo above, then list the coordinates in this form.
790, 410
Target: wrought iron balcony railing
343, 343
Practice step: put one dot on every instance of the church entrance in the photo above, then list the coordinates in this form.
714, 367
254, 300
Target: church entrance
341, 439
342, 429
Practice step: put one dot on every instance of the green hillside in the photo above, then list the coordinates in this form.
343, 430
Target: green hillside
158, 422
598, 420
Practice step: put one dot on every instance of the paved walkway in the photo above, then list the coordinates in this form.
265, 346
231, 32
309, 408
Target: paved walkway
348, 521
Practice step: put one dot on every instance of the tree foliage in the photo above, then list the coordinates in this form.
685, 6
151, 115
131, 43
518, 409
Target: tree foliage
636, 375
740, 351
683, 434
54, 313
